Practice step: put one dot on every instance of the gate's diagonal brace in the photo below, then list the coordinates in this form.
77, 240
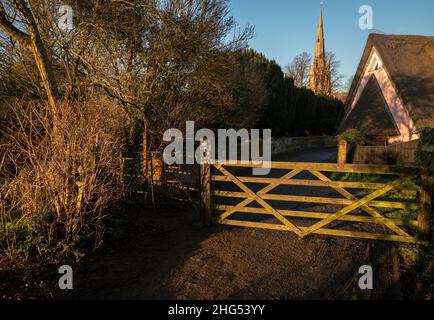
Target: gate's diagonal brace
353, 206
254, 196
267, 189
374, 213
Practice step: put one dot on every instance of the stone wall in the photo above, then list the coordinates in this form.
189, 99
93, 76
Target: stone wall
285, 145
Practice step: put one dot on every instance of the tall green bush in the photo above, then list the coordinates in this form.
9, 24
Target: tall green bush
289, 110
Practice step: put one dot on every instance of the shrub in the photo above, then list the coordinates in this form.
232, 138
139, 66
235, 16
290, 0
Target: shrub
58, 176
352, 136
424, 154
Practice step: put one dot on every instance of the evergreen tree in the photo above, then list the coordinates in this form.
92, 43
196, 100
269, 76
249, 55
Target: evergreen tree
288, 110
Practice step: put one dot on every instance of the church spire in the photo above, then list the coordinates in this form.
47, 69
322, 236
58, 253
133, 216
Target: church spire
319, 48
319, 75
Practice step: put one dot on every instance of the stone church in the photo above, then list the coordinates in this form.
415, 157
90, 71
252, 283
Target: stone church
319, 80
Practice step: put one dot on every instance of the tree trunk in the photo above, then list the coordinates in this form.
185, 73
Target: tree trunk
41, 58
34, 41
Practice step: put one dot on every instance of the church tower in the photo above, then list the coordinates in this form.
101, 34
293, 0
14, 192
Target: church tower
319, 75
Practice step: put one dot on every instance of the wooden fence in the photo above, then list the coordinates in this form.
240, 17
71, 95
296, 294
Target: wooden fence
398, 154
371, 205
180, 182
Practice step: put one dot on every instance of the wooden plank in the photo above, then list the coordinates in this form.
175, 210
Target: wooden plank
249, 224
259, 200
320, 215
177, 185
328, 232
121, 174
364, 235
350, 202
267, 189
308, 183
366, 208
424, 217
321, 200
145, 151
351, 207
330, 167
342, 152
205, 194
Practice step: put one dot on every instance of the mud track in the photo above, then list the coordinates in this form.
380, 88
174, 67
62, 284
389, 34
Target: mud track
174, 258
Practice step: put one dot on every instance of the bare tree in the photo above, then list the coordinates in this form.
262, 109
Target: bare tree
19, 13
163, 61
298, 69
348, 83
336, 78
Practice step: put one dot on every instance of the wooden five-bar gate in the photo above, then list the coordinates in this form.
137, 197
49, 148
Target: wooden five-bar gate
369, 202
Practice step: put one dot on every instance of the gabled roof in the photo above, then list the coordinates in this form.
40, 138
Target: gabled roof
409, 61
371, 115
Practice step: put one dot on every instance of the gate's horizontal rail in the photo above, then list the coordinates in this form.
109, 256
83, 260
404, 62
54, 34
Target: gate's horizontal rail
308, 183
330, 167
320, 215
323, 200
377, 198
328, 232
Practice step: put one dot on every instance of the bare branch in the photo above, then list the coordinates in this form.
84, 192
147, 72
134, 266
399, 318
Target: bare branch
12, 31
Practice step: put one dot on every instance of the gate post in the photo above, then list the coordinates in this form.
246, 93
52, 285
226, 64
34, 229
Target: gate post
205, 190
424, 216
145, 159
205, 194
342, 152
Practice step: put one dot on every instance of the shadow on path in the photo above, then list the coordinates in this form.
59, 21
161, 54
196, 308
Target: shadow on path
174, 258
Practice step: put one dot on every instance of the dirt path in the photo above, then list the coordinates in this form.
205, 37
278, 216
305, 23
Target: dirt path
174, 258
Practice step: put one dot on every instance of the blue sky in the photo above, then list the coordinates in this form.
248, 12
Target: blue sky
284, 28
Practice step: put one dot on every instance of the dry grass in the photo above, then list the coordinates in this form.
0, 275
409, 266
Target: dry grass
57, 180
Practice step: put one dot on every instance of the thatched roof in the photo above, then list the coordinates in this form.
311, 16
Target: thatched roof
371, 114
409, 61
